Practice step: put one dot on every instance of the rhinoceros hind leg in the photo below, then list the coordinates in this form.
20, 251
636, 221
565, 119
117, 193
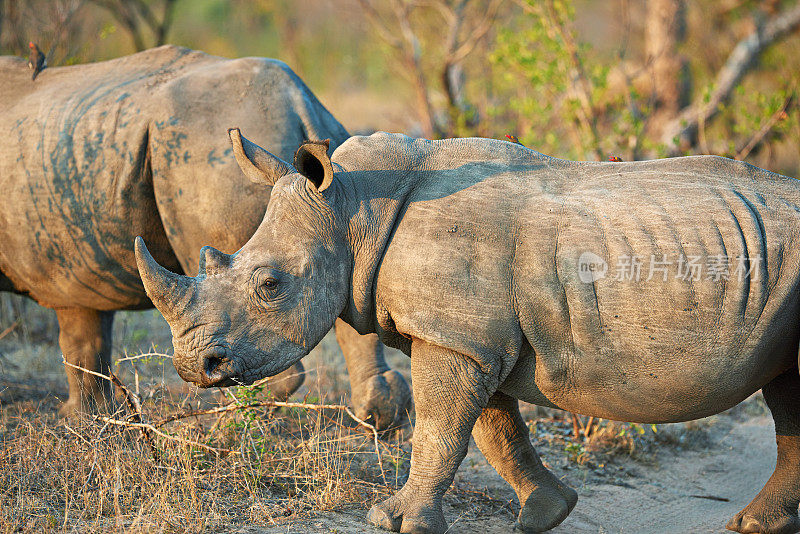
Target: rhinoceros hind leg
502, 436
774, 510
85, 340
450, 391
380, 395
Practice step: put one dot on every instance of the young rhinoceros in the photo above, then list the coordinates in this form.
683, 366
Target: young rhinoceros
487, 263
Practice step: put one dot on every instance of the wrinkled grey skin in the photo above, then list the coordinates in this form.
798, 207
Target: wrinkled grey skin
96, 154
464, 254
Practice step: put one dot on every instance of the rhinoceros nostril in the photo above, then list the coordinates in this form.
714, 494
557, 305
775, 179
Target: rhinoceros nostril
211, 365
217, 369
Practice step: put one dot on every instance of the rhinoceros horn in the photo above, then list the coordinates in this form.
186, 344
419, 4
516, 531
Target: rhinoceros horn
168, 291
256, 163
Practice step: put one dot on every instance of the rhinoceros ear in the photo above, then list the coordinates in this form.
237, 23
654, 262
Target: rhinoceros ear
256, 163
312, 161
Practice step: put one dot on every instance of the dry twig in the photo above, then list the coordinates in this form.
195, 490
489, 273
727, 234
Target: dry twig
151, 428
144, 355
10, 329
232, 407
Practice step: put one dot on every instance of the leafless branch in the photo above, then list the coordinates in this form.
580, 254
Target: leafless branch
399, 33
741, 59
10, 329
150, 428
158, 27
479, 32
380, 26
134, 14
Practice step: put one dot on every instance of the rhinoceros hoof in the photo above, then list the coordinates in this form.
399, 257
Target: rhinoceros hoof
72, 406
545, 508
384, 400
69, 408
755, 519
403, 515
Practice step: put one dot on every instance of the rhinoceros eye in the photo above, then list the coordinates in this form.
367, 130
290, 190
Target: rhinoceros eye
269, 283
265, 284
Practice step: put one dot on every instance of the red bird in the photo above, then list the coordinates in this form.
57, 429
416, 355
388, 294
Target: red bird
614, 158
513, 139
36, 60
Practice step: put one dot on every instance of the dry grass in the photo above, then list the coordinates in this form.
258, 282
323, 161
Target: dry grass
86, 475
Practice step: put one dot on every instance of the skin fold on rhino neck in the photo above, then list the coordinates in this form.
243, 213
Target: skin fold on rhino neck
372, 210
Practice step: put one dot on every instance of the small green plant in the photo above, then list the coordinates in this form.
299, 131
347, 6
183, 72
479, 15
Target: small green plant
576, 452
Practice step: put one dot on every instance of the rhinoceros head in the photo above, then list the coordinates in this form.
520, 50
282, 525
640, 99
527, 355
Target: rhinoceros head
256, 312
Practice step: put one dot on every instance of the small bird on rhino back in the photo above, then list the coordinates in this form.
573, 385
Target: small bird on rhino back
36, 60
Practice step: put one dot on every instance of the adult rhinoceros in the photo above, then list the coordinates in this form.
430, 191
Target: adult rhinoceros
467, 254
94, 155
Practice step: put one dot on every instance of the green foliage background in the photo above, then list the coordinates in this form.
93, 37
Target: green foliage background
520, 78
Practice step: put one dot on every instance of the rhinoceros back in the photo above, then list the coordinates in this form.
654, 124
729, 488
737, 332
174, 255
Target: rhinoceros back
202, 195
506, 232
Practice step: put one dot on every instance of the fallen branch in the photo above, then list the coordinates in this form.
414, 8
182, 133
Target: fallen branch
79, 368
278, 404
135, 407
151, 428
133, 403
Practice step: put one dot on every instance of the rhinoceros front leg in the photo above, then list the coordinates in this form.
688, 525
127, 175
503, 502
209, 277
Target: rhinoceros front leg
282, 385
379, 394
774, 510
450, 391
85, 340
503, 439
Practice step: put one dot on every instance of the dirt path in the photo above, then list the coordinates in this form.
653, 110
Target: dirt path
735, 466
653, 499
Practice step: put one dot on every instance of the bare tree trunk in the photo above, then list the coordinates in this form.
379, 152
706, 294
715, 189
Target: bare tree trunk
664, 32
2, 18
135, 15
